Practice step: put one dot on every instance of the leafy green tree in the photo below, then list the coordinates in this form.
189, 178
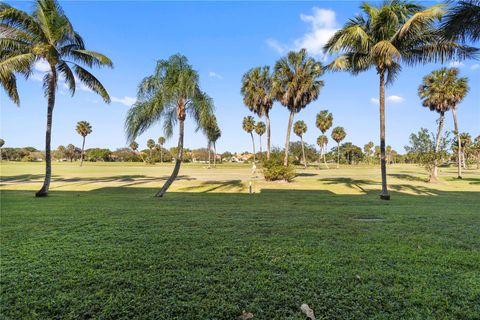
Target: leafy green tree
248, 126
84, 129
386, 36
368, 150
322, 141
134, 146
300, 128
258, 95
476, 150
338, 134
324, 122
161, 142
172, 92
463, 20
45, 35
296, 84
71, 152
2, 142
260, 130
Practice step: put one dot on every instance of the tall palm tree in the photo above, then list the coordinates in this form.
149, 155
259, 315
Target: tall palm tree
465, 142
296, 83
260, 130
338, 134
324, 122
300, 128
258, 95
161, 142
248, 125
45, 35
386, 36
2, 142
463, 20
84, 129
322, 141
172, 92
151, 146
134, 146
213, 133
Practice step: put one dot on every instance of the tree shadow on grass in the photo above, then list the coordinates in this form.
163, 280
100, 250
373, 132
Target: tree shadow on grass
350, 183
407, 177
211, 186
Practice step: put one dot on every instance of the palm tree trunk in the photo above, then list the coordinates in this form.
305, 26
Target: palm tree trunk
324, 157
320, 157
83, 148
260, 142
287, 140
303, 153
384, 195
214, 155
52, 84
338, 154
459, 147
161, 155
253, 143
208, 148
178, 159
268, 135
434, 175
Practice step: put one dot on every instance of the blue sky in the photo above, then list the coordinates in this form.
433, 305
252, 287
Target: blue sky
222, 41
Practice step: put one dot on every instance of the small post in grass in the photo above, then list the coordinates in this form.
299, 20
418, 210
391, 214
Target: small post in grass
250, 186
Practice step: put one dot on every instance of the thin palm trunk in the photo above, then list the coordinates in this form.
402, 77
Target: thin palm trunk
161, 155
434, 176
459, 147
268, 135
260, 142
384, 195
324, 157
52, 83
208, 148
287, 140
253, 143
338, 154
320, 156
214, 155
178, 159
83, 148
303, 153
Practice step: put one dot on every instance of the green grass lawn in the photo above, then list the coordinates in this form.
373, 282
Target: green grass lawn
102, 247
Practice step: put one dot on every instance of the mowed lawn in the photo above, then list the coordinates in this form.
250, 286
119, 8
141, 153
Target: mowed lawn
102, 247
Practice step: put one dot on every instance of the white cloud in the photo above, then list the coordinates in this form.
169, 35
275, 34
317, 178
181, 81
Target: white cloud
475, 66
128, 101
455, 64
213, 74
41, 66
322, 26
36, 76
392, 99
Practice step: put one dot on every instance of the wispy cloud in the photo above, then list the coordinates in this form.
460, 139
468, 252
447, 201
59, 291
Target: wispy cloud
456, 64
215, 75
475, 66
322, 26
41, 66
392, 99
128, 101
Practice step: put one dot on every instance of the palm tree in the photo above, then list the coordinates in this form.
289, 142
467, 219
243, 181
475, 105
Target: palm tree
45, 35
134, 147
248, 125
161, 142
465, 142
463, 21
296, 83
83, 128
151, 146
367, 149
322, 142
213, 133
2, 142
386, 36
260, 130
168, 95
300, 128
324, 122
338, 134
258, 95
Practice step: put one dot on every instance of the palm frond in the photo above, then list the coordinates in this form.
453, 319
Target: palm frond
91, 82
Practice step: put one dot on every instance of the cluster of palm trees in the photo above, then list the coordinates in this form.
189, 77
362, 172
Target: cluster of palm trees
383, 37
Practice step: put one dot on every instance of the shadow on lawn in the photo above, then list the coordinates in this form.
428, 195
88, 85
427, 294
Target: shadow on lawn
407, 177
211, 186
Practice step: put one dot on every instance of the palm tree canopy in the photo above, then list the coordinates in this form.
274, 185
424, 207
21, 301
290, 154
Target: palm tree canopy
211, 129
322, 140
296, 80
248, 124
172, 92
257, 90
83, 128
463, 21
394, 32
134, 145
150, 144
2, 142
260, 128
300, 128
442, 89
324, 120
45, 35
338, 134
161, 141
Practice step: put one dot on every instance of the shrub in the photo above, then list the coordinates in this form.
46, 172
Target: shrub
274, 170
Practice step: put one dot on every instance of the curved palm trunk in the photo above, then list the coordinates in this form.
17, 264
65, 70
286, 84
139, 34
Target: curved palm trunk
303, 153
268, 135
253, 143
52, 83
82, 155
178, 160
434, 175
287, 140
384, 195
338, 154
459, 147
